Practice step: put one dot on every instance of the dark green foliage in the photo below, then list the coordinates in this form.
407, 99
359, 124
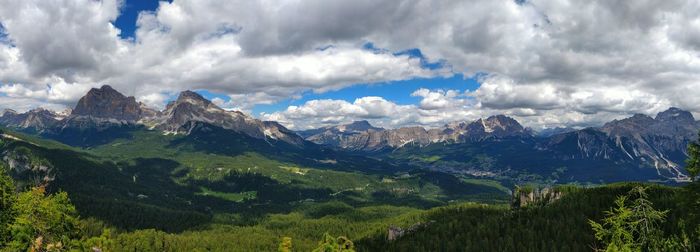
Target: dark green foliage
633, 225
690, 198
692, 164
43, 221
560, 226
7, 199
91, 134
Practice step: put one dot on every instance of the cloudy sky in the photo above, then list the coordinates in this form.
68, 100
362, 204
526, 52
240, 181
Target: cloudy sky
308, 63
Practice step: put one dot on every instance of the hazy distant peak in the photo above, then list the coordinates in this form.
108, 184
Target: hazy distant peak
675, 114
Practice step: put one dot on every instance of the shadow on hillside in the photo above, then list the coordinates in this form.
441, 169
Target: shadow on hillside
215, 140
271, 196
135, 195
89, 137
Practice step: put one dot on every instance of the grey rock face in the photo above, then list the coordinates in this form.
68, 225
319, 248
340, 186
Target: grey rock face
534, 197
106, 102
24, 165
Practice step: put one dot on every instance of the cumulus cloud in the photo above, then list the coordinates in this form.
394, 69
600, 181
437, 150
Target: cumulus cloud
436, 108
548, 62
439, 99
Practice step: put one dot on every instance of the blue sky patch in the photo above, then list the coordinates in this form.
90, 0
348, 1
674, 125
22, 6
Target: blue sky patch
129, 13
398, 92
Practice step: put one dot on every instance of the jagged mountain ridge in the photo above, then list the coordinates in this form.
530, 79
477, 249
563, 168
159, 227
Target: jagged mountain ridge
106, 109
191, 106
370, 138
35, 119
658, 142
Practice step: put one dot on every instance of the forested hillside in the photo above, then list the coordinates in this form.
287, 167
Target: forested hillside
168, 188
562, 225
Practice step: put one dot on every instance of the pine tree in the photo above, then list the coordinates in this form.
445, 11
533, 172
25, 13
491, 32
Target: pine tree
7, 199
692, 164
632, 225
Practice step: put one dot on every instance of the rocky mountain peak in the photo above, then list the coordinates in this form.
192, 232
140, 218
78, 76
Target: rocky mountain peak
8, 112
363, 125
635, 123
192, 97
108, 103
192, 107
43, 111
504, 123
674, 114
497, 125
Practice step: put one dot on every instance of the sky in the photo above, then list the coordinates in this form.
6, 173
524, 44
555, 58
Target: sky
395, 63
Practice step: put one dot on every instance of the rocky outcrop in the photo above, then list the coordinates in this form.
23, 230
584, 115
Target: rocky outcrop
108, 103
396, 232
22, 164
527, 196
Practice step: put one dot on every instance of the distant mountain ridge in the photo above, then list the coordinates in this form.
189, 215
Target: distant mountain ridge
638, 141
660, 142
361, 136
35, 119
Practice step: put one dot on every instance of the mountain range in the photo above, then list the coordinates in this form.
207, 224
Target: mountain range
105, 109
640, 147
361, 136
658, 143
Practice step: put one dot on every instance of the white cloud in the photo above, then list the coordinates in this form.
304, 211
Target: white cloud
548, 61
380, 111
330, 112
439, 99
